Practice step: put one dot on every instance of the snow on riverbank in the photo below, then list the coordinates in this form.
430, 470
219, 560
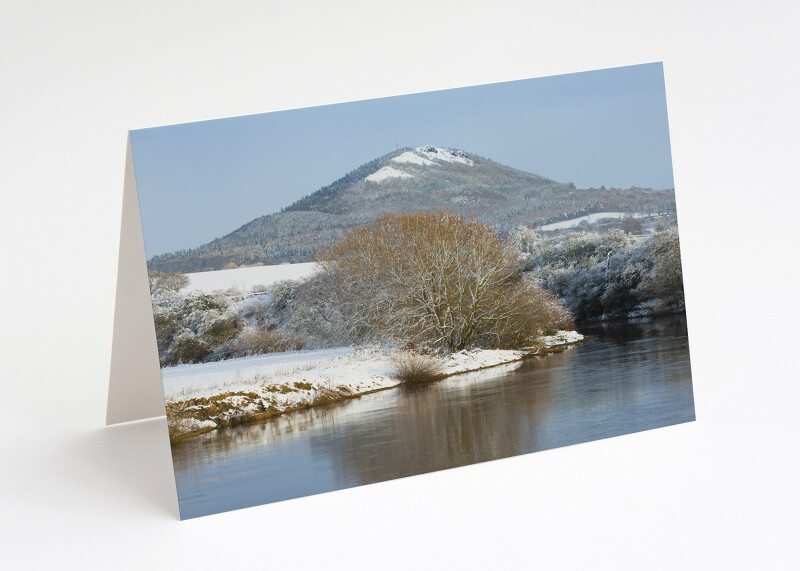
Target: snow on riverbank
561, 338
358, 369
464, 361
203, 396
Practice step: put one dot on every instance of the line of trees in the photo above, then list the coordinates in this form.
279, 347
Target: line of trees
427, 280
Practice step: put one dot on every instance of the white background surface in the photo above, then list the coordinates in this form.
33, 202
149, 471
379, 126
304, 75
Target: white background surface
721, 493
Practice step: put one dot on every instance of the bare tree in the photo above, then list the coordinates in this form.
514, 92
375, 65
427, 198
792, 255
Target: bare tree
435, 278
161, 282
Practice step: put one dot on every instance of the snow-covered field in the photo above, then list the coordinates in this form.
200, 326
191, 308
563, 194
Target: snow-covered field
591, 218
246, 278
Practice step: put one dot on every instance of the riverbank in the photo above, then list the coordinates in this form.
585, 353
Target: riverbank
207, 396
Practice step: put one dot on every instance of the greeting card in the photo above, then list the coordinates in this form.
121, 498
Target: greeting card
341, 295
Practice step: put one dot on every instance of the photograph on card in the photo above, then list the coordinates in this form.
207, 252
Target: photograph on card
352, 293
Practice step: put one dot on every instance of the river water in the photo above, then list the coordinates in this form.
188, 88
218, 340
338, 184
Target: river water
632, 376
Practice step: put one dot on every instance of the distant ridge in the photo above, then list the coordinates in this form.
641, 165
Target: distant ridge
425, 179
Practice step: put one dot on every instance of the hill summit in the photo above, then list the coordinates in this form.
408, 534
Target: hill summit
424, 179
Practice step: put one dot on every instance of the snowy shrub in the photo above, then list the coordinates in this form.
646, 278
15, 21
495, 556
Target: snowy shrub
662, 279
282, 295
525, 239
308, 311
630, 225
531, 311
222, 330
260, 341
579, 288
415, 367
256, 311
580, 249
167, 319
191, 327
185, 348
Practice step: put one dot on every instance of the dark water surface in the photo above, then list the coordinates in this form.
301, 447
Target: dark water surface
631, 377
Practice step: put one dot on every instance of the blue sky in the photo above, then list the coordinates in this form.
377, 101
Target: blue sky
200, 181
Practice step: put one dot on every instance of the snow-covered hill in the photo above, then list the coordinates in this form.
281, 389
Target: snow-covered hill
426, 178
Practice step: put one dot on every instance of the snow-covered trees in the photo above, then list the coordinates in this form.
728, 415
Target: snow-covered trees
191, 327
608, 275
437, 279
433, 280
662, 277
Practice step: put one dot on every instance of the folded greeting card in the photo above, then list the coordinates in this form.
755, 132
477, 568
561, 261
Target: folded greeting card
341, 295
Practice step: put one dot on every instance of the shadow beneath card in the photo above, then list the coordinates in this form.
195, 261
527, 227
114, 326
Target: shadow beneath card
136, 456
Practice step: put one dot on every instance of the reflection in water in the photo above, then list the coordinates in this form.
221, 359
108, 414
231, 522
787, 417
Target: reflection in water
631, 377
431, 427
